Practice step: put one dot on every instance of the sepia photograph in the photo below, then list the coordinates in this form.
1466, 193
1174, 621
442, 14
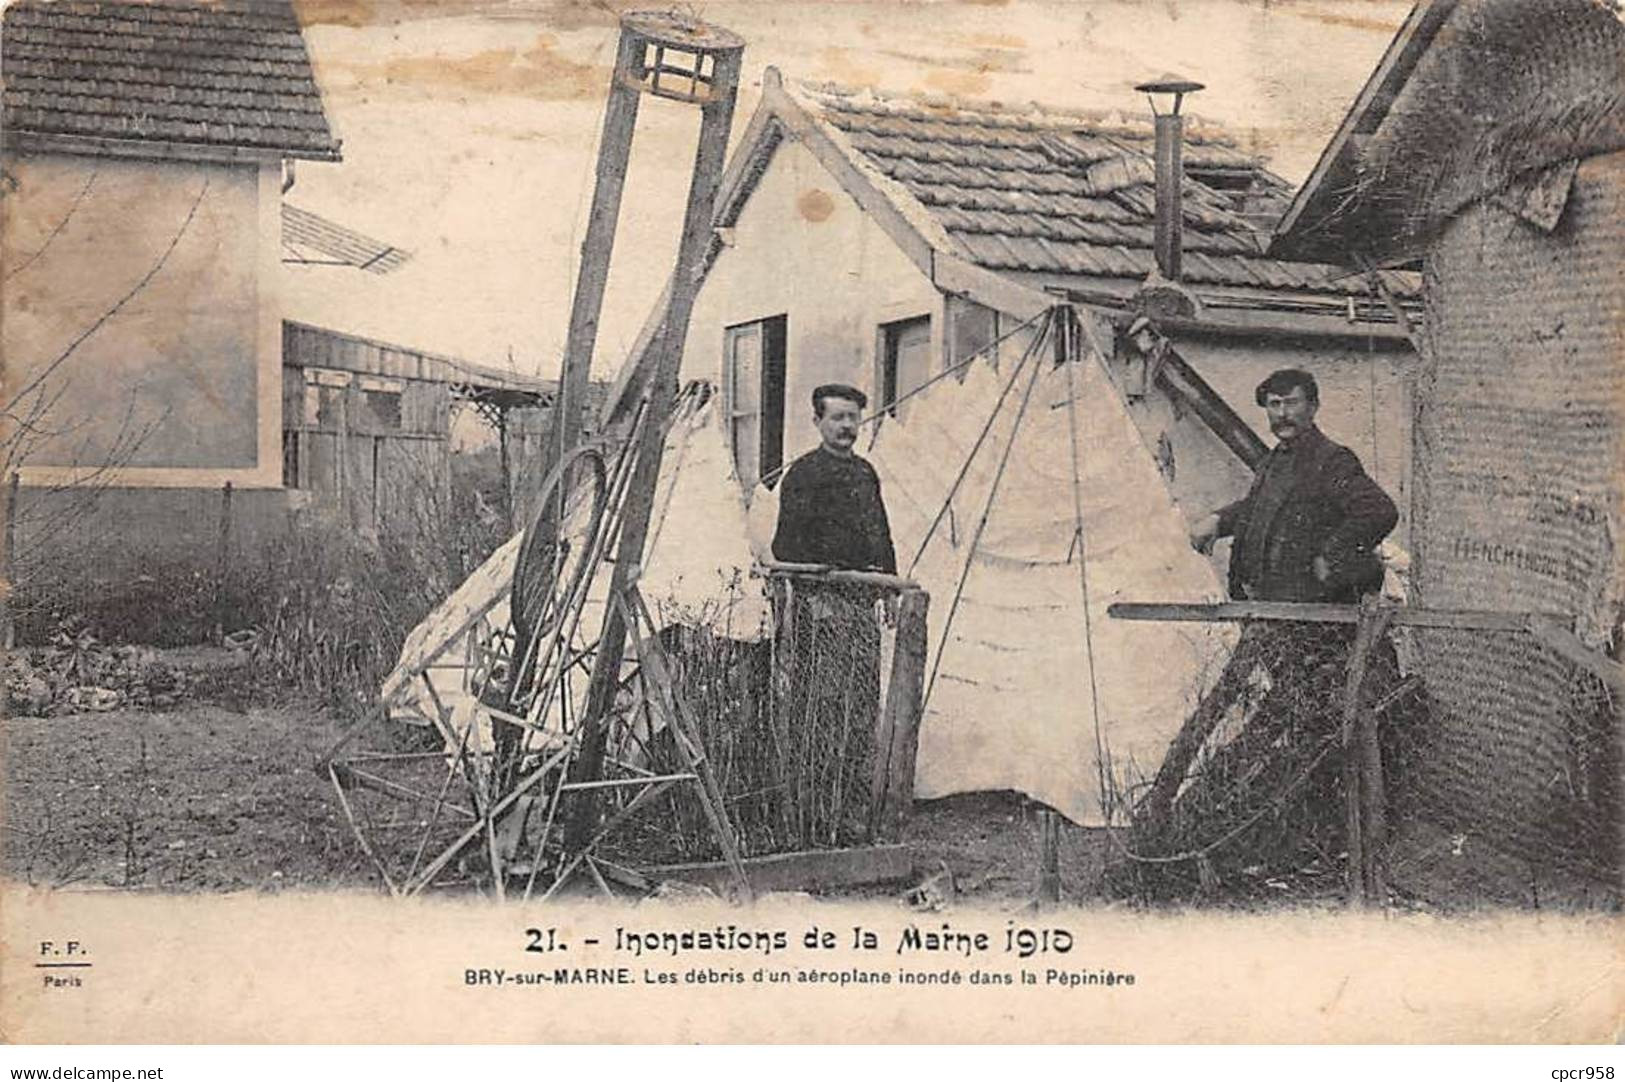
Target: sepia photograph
828, 521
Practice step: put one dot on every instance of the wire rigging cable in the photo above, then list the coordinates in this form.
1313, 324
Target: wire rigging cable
1043, 335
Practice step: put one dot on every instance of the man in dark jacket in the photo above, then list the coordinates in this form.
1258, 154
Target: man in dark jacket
1306, 531
1308, 528
830, 511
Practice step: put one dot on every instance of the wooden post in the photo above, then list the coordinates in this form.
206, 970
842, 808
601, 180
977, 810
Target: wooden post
222, 564
897, 728
614, 151
1361, 790
509, 519
8, 568
716, 117
1049, 857
1374, 800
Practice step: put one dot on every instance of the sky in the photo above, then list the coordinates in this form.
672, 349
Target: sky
469, 129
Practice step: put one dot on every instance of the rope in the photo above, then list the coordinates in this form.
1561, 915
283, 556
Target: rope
964, 469
1083, 561
987, 509
66, 218
882, 410
887, 407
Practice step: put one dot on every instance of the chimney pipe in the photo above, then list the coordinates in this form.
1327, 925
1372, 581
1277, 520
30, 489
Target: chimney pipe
1170, 174
1167, 94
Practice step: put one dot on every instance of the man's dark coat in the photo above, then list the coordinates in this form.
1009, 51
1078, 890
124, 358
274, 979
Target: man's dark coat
831, 512
1309, 498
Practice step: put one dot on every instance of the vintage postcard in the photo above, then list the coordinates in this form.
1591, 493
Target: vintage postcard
905, 521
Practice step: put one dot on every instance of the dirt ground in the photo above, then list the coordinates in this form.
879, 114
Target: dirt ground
219, 797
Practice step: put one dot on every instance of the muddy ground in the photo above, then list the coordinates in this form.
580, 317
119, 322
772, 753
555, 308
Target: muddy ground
218, 796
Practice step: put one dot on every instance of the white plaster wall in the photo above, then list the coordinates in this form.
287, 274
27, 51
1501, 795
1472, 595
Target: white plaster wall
182, 382
803, 248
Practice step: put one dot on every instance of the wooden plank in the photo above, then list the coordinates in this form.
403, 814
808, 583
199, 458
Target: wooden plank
807, 870
825, 573
1566, 643
900, 725
1178, 378
1315, 613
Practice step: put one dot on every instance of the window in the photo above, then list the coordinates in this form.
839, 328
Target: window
753, 357
975, 330
381, 403
325, 389
905, 360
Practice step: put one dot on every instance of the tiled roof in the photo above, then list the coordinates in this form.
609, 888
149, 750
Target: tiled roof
1075, 195
224, 76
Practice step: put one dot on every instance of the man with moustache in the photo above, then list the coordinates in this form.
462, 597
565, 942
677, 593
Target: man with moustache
1308, 528
831, 514
1306, 531
830, 510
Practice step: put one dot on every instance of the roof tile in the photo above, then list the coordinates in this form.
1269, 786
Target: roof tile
232, 74
1049, 194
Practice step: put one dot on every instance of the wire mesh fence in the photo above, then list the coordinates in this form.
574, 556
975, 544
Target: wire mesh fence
1314, 750
789, 726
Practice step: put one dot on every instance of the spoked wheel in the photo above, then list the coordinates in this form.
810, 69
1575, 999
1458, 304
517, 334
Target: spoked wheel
562, 547
558, 551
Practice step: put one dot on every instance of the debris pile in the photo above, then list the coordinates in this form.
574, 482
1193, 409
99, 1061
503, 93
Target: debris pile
75, 673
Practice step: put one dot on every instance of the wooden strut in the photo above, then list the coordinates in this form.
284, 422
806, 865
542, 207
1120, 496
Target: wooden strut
716, 117
614, 154
653, 666
897, 728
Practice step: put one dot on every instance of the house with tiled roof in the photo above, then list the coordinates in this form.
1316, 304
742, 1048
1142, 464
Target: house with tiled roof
159, 405
880, 241
150, 148
145, 157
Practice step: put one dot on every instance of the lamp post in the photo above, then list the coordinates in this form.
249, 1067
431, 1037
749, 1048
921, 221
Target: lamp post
1167, 95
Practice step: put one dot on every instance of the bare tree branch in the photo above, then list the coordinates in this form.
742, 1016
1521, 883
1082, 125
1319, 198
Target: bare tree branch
57, 362
66, 218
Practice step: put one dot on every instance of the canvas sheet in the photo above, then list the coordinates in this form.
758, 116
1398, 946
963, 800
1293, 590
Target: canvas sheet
1025, 690
697, 571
